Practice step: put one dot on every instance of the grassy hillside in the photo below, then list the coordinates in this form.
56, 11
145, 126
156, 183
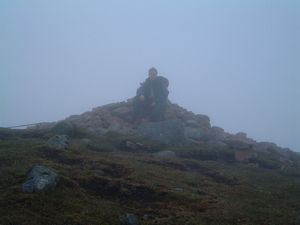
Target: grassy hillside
100, 180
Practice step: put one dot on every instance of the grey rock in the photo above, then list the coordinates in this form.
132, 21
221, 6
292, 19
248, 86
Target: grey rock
203, 120
236, 144
168, 132
218, 145
266, 146
40, 178
218, 134
122, 111
195, 133
192, 123
241, 136
131, 145
59, 142
178, 189
135, 145
167, 154
129, 219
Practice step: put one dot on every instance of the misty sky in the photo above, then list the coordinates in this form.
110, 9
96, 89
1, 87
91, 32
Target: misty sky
236, 61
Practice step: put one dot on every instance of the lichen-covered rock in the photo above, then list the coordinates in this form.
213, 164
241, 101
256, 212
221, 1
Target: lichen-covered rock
40, 178
59, 142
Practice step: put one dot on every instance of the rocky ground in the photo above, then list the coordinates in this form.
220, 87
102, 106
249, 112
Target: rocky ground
101, 167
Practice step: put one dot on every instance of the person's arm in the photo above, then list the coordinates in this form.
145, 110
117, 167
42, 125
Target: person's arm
164, 84
140, 90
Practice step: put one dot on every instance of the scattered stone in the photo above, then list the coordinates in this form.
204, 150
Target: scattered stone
40, 178
180, 127
178, 189
203, 120
134, 145
123, 112
129, 219
169, 131
195, 133
59, 142
217, 133
238, 145
131, 145
266, 147
217, 144
191, 123
167, 154
241, 135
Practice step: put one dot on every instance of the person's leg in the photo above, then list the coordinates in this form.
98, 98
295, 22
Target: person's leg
141, 109
158, 111
137, 109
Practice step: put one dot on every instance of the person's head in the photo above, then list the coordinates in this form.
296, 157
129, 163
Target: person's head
152, 72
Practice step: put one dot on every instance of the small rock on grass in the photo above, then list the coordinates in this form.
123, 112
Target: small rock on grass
40, 178
59, 142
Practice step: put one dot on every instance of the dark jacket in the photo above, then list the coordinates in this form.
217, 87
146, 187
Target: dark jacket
155, 89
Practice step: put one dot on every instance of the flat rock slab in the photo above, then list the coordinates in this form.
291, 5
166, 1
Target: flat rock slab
40, 178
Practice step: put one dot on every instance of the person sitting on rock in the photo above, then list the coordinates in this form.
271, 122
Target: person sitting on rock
151, 98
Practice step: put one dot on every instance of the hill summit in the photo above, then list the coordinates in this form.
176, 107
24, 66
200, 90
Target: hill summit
180, 128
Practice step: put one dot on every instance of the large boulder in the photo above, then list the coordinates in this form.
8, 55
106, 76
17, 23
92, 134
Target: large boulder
40, 178
218, 134
169, 131
59, 142
197, 134
203, 120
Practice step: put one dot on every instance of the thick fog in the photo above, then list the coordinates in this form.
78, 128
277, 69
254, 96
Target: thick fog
236, 61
